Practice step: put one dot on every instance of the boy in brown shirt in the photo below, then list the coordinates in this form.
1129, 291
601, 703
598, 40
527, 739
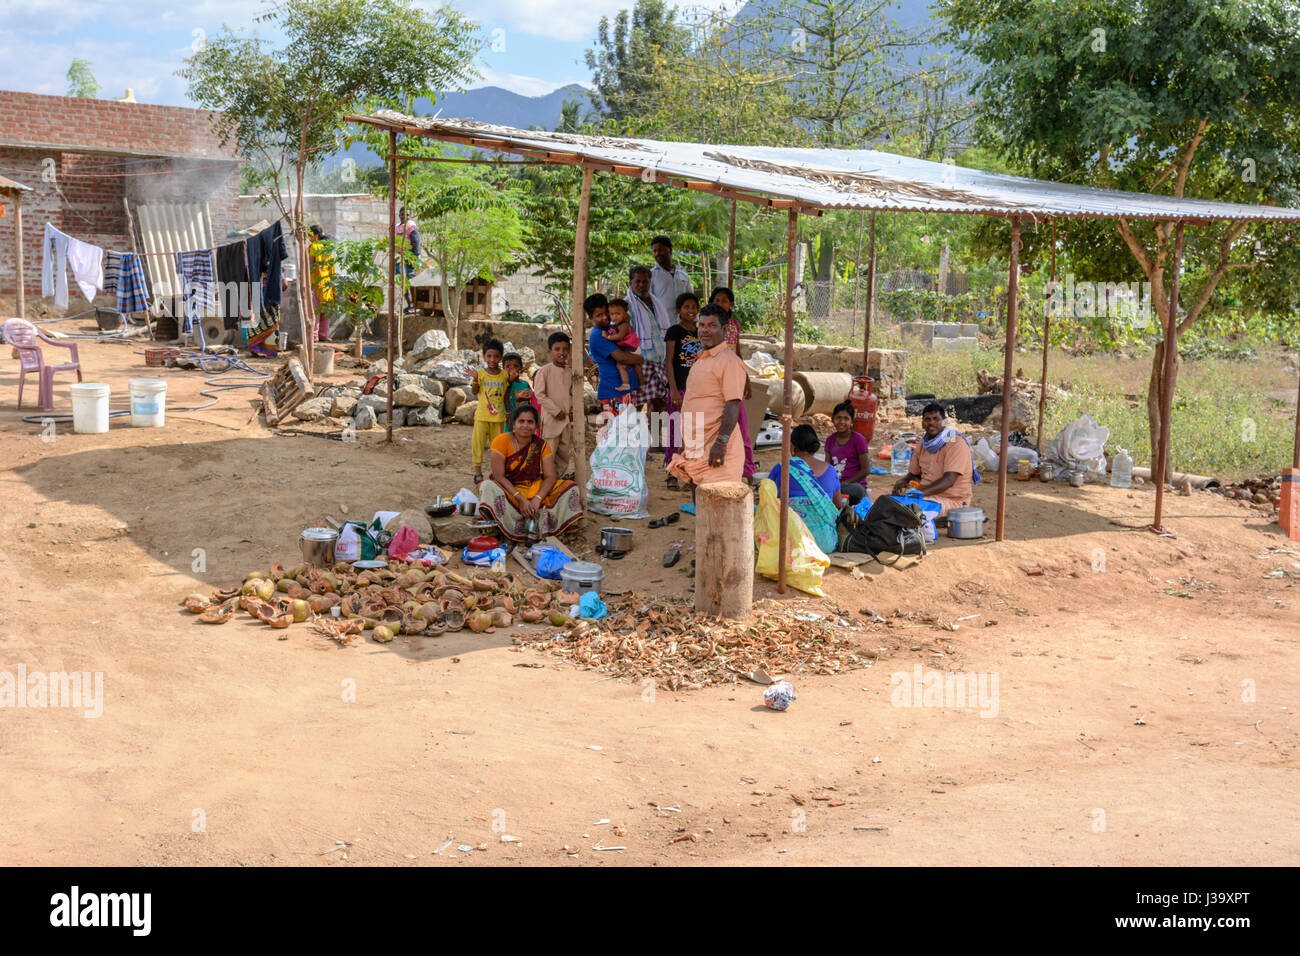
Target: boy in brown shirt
942, 465
551, 388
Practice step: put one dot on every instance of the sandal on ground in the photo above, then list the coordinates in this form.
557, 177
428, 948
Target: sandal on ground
666, 520
672, 555
671, 483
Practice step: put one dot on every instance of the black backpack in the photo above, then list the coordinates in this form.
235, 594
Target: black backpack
890, 527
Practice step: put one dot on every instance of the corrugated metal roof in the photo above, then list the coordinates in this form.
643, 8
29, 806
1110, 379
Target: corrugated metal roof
828, 178
11, 187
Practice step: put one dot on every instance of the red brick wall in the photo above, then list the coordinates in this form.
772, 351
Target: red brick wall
91, 125
85, 197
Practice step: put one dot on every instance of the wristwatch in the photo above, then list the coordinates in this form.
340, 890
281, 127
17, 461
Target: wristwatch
723, 439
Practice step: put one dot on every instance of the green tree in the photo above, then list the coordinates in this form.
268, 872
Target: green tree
624, 61
357, 282
282, 106
1172, 97
470, 224
81, 82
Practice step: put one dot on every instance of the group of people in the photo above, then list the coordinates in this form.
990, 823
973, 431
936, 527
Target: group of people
684, 361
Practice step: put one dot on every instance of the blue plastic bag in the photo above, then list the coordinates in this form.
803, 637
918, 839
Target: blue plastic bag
549, 563
591, 606
483, 559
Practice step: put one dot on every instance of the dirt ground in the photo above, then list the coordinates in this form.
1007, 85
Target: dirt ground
1146, 711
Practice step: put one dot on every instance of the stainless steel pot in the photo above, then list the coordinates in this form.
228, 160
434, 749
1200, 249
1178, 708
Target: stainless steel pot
616, 539
317, 546
1046, 471
467, 508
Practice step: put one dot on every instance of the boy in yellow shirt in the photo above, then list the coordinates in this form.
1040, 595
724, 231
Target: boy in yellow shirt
489, 385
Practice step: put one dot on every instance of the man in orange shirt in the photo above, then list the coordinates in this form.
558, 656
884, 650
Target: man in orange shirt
943, 465
712, 448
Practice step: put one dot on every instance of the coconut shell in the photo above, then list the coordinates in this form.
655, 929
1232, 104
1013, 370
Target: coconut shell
382, 634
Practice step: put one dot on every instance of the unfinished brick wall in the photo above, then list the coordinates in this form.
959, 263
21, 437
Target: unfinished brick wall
82, 157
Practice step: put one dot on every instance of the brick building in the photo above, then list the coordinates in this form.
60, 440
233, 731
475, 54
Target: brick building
83, 157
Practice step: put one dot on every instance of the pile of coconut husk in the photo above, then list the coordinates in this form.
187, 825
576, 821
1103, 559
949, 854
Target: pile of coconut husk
666, 641
401, 598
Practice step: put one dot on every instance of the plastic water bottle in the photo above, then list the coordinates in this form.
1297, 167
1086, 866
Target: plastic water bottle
1121, 470
900, 458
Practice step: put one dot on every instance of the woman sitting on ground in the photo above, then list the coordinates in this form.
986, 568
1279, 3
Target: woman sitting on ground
524, 486
814, 487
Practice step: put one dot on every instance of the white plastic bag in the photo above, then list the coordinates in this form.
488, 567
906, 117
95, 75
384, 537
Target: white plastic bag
617, 485
347, 547
1080, 445
988, 455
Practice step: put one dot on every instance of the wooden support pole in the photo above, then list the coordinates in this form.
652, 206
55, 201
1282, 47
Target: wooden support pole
18, 252
392, 267
1047, 328
871, 296
787, 412
577, 399
731, 252
857, 271
1013, 291
1167, 387
724, 549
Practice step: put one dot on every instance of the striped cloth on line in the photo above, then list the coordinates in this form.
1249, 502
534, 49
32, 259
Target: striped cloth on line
198, 284
124, 277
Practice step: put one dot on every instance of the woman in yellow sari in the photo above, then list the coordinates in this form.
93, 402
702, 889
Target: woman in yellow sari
524, 497
322, 271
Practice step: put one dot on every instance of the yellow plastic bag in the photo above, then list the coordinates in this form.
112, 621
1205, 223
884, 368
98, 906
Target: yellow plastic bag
807, 561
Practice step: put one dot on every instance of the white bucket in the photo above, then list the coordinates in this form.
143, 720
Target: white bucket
89, 407
148, 402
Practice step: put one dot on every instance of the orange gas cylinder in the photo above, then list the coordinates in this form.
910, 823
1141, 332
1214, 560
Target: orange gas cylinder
864, 402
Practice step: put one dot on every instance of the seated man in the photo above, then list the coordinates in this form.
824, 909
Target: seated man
942, 466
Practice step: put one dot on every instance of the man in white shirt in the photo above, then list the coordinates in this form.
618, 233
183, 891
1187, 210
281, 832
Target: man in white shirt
667, 280
651, 319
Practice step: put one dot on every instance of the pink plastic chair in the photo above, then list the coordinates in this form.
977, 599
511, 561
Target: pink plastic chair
24, 336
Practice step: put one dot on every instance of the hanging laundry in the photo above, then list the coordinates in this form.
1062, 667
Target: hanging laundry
87, 264
124, 278
232, 274
195, 268
266, 251
54, 266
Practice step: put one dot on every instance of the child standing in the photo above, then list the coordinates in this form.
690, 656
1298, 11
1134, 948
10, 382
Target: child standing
551, 389
620, 331
518, 391
490, 384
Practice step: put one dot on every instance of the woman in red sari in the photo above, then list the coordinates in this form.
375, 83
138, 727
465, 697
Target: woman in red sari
524, 497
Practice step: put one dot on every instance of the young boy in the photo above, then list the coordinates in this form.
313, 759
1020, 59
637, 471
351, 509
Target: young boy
620, 331
490, 384
551, 390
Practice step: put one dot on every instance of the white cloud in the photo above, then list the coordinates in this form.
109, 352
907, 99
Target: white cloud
569, 20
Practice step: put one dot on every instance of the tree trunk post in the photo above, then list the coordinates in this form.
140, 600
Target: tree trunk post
1169, 367
577, 399
871, 297
392, 266
724, 549
787, 411
731, 252
1047, 327
1008, 370
20, 303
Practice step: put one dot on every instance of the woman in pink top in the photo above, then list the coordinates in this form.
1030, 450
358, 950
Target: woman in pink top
723, 298
848, 454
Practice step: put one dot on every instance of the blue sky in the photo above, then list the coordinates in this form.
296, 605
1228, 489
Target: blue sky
141, 43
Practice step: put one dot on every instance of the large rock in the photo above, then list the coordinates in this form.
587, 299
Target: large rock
417, 520
428, 415
453, 400
377, 402
428, 345
408, 378
465, 414
432, 385
381, 367
412, 395
315, 409
345, 403
454, 531
453, 373
364, 418
399, 417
